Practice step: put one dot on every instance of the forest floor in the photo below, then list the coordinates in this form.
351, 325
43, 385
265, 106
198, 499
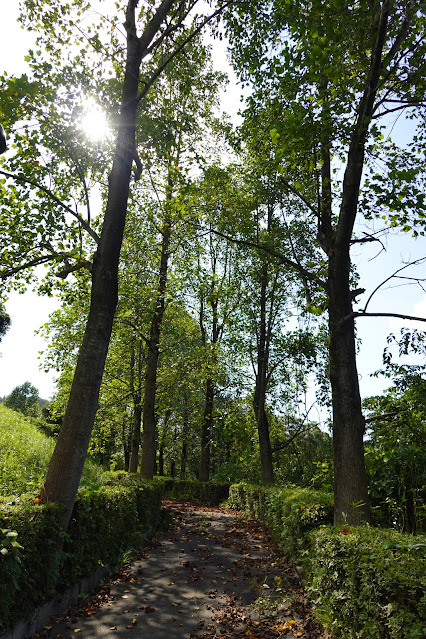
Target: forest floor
212, 575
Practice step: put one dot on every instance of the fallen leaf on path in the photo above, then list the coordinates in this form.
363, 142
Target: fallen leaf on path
149, 609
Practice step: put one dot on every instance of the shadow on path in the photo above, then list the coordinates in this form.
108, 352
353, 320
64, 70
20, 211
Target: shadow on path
213, 575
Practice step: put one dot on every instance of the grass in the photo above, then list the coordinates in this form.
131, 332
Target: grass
25, 454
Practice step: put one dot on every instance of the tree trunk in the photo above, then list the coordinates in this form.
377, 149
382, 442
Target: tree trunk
265, 450
149, 423
185, 433
149, 426
206, 432
126, 446
136, 433
66, 465
135, 387
350, 480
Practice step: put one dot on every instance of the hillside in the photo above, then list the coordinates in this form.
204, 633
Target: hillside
25, 453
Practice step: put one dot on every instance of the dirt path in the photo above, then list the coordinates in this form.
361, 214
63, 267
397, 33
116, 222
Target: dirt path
213, 575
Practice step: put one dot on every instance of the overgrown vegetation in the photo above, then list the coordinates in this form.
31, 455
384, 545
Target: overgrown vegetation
25, 453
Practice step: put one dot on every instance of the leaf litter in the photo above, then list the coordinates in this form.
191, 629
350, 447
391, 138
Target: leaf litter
245, 588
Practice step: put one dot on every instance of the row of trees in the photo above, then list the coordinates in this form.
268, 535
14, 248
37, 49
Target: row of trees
250, 257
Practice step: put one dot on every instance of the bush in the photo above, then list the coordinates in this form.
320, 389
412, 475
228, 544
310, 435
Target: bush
25, 453
369, 583
365, 582
34, 570
289, 513
211, 493
105, 522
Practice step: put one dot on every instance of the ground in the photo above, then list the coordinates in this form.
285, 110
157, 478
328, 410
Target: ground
212, 575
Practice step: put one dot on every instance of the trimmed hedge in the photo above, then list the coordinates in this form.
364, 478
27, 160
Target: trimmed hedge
365, 582
210, 493
105, 523
369, 583
288, 513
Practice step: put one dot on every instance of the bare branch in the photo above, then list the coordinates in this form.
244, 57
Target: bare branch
300, 195
376, 418
75, 267
35, 262
419, 261
398, 315
284, 260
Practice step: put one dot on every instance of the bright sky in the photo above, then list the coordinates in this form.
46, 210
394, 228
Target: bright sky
19, 350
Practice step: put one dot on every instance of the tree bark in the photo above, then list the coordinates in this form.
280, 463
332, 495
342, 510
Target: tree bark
184, 436
136, 433
350, 480
135, 389
263, 342
66, 465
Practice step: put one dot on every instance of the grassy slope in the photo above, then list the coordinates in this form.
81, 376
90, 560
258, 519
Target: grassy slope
24, 455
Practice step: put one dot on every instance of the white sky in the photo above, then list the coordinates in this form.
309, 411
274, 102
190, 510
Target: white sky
19, 349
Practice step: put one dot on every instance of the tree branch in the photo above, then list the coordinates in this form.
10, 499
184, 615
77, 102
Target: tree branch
398, 315
53, 197
376, 418
158, 72
261, 247
35, 262
419, 261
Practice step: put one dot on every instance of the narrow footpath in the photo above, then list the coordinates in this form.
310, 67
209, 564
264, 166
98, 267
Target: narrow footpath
212, 575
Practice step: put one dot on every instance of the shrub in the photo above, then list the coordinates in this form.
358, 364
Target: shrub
105, 523
211, 493
289, 513
34, 570
369, 583
365, 582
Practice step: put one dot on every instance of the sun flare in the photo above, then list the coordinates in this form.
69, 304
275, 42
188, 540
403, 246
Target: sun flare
94, 123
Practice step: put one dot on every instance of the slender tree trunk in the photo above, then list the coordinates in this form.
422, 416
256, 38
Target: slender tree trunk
135, 386
265, 450
126, 447
136, 433
149, 422
163, 443
185, 433
206, 427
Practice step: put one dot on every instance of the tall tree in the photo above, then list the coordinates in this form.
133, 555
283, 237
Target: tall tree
146, 33
176, 126
325, 75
